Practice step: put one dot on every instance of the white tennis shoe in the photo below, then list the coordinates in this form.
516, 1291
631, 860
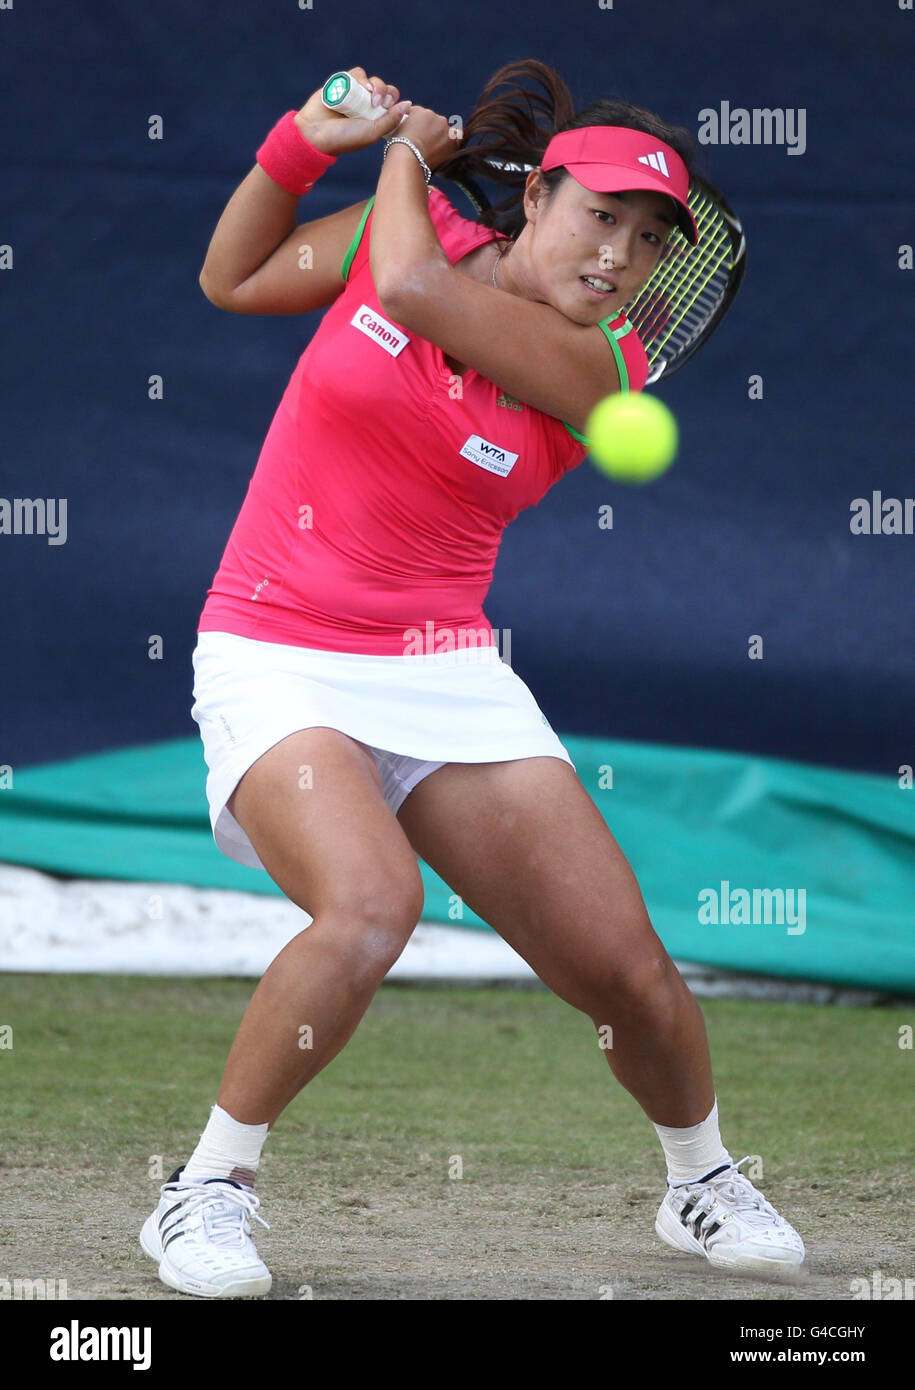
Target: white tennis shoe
724, 1218
200, 1234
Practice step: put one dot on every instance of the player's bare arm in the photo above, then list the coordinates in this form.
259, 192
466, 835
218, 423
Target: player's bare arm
259, 261
537, 337
301, 274
530, 349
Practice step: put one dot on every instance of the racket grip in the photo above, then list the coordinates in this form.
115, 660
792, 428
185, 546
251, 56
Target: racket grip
341, 93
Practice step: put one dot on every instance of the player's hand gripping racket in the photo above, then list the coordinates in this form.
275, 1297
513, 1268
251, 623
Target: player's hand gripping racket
343, 94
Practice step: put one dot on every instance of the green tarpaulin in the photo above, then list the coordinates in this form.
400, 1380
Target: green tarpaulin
745, 863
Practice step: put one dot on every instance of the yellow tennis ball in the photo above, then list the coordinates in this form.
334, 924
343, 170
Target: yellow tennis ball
633, 437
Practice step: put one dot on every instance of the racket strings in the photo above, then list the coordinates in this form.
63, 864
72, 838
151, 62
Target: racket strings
688, 285
692, 286
712, 245
697, 292
713, 248
688, 288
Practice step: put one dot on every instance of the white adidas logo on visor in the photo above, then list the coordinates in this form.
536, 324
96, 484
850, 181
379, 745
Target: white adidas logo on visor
656, 161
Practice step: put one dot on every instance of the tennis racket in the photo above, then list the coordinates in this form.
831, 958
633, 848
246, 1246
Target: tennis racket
343, 94
692, 287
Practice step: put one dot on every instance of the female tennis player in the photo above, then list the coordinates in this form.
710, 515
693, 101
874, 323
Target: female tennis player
354, 710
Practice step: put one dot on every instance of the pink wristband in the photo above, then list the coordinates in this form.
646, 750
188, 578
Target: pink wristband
291, 160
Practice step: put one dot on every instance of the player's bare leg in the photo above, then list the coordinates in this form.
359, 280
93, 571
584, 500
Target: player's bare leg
330, 841
528, 851
335, 850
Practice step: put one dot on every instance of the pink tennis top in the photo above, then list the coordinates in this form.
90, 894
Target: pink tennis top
385, 482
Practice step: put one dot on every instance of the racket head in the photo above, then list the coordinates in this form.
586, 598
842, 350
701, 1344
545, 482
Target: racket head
471, 190
692, 287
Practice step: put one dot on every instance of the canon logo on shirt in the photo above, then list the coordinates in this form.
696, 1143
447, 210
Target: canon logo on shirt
374, 326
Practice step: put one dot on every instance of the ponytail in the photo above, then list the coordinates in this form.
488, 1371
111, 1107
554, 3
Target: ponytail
515, 129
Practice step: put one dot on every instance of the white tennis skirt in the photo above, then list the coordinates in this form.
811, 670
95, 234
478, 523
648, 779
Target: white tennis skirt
415, 713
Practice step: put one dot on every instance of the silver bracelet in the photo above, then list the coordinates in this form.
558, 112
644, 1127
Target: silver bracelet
402, 139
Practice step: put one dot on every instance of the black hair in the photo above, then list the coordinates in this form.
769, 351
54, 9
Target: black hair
506, 129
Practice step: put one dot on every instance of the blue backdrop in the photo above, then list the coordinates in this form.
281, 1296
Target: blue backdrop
639, 632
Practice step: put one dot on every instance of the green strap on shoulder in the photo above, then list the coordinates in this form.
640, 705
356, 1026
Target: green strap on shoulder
354, 244
612, 335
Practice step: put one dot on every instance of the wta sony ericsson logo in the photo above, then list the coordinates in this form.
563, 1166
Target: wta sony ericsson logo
487, 455
387, 335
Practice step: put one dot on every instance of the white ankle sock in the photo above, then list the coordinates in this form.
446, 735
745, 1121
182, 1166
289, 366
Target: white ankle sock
227, 1149
693, 1152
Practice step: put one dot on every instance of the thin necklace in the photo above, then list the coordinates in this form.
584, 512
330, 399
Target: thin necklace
499, 254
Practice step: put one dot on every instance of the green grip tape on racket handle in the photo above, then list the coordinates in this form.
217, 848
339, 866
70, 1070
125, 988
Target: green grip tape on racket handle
347, 97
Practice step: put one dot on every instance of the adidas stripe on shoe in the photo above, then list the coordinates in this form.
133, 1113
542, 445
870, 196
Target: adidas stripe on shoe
724, 1218
200, 1234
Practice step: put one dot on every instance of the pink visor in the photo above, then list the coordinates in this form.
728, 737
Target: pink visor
612, 159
